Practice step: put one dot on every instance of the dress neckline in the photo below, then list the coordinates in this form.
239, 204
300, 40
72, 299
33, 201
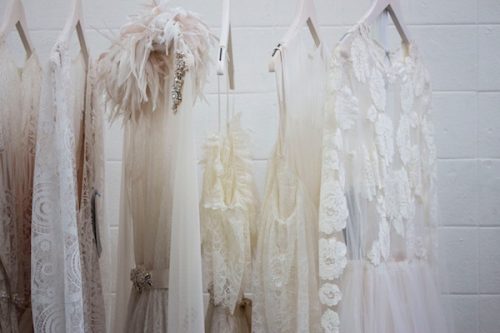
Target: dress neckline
9, 57
387, 60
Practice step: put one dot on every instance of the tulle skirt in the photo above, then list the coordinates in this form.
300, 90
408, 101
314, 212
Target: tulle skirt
398, 297
147, 311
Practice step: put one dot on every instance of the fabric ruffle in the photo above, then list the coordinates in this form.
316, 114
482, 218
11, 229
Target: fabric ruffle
228, 210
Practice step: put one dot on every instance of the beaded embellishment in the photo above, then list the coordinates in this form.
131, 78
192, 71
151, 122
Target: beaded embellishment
180, 73
141, 279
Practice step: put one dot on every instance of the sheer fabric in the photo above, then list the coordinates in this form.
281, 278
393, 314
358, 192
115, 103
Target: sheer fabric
228, 209
285, 269
153, 74
159, 211
19, 97
67, 201
377, 217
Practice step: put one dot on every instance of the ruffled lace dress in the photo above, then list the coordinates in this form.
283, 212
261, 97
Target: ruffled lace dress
285, 268
19, 105
68, 229
377, 218
152, 75
228, 209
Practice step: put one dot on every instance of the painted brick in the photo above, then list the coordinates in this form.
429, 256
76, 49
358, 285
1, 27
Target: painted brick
455, 119
459, 259
489, 308
488, 125
488, 58
463, 311
489, 261
443, 11
488, 11
457, 192
450, 54
489, 192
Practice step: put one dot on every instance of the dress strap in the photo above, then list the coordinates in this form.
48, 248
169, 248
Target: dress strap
280, 87
229, 108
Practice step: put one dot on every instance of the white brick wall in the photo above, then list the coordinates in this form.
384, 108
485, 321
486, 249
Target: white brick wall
460, 41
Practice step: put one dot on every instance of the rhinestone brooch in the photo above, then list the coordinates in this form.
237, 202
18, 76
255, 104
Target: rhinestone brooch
180, 73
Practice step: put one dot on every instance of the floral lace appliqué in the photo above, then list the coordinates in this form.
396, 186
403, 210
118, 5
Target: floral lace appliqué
329, 294
385, 138
359, 55
377, 89
371, 114
370, 167
333, 207
346, 108
403, 139
330, 321
407, 96
332, 258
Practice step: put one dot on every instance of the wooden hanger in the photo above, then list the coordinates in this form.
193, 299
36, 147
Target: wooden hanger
75, 22
15, 16
306, 15
393, 8
226, 45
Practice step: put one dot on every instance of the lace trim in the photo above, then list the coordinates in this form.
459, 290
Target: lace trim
228, 211
332, 220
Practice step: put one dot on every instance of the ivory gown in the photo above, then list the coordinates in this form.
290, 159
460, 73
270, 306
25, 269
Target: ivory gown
19, 106
377, 217
68, 228
228, 214
285, 269
153, 74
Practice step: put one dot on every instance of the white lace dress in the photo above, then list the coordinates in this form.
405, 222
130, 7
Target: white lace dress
285, 270
68, 222
377, 218
19, 97
153, 74
228, 209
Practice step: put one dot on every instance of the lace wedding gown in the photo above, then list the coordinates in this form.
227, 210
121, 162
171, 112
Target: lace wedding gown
152, 76
68, 186
19, 97
377, 217
285, 269
228, 209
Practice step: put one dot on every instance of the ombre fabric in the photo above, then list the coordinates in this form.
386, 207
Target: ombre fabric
19, 107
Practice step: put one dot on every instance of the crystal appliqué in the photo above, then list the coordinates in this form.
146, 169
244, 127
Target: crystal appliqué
180, 72
141, 279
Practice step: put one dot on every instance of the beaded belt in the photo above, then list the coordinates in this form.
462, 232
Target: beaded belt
143, 279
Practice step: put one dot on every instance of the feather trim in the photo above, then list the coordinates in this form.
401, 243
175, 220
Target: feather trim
140, 70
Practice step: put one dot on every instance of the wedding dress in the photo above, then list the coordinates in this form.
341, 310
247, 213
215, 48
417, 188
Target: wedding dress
153, 74
228, 209
19, 97
285, 269
68, 223
377, 217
